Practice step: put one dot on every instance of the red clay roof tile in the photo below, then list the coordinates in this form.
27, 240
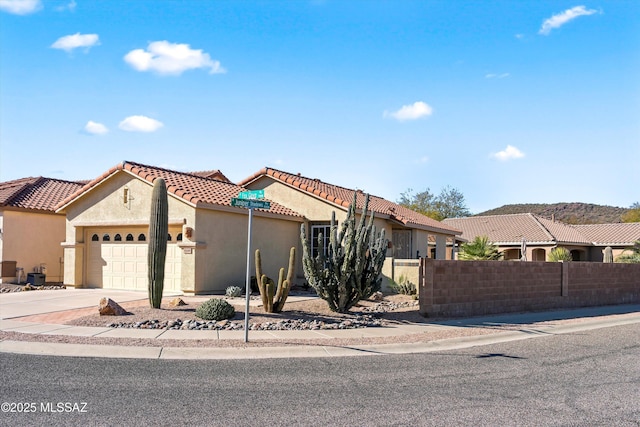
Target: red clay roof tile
342, 196
191, 188
36, 193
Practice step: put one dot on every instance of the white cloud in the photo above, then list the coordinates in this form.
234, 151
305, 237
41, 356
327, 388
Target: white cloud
95, 128
71, 6
508, 153
497, 76
558, 20
68, 43
414, 111
20, 7
171, 58
140, 124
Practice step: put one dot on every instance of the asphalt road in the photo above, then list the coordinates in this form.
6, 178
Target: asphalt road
583, 379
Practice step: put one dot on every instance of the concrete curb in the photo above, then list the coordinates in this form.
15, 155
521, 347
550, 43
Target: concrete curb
218, 353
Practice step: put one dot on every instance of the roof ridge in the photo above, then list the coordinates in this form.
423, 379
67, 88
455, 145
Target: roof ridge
548, 232
191, 174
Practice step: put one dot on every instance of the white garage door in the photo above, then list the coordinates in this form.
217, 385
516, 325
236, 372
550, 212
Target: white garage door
113, 262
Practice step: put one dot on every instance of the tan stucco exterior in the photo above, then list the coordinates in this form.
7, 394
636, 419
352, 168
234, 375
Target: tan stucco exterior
211, 259
32, 240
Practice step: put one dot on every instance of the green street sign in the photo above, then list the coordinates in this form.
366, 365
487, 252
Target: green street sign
250, 204
251, 195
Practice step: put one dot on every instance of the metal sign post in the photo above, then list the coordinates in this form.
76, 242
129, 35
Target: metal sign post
248, 288
249, 200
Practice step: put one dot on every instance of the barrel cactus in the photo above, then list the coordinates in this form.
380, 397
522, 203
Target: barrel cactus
158, 231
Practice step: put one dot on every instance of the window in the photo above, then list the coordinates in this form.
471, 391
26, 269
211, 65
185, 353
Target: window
117, 238
168, 237
142, 238
106, 238
95, 238
179, 237
316, 230
129, 237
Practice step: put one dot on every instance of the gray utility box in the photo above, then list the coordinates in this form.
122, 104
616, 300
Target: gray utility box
35, 279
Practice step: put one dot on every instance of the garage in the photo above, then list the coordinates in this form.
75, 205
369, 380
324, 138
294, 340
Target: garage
117, 259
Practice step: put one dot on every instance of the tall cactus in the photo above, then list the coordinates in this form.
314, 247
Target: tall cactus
158, 231
273, 298
352, 268
608, 254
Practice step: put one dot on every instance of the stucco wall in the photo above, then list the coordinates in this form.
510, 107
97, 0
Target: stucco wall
32, 239
223, 261
105, 206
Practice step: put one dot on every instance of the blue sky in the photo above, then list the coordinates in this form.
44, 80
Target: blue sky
507, 101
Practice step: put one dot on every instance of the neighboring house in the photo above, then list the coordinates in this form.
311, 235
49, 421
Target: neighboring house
30, 229
541, 235
214, 174
411, 234
107, 229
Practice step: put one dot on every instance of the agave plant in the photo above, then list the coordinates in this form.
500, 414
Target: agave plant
559, 255
480, 249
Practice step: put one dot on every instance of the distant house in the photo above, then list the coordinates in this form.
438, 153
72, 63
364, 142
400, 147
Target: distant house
411, 234
107, 230
541, 235
30, 229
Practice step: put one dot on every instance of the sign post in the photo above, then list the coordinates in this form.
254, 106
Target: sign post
250, 200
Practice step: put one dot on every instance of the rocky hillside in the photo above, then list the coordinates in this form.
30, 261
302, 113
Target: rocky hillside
569, 213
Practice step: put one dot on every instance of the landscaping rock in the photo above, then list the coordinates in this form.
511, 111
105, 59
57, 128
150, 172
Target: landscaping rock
109, 307
377, 296
176, 302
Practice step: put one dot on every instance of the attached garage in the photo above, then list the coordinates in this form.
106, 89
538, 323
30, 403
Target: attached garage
107, 223
117, 259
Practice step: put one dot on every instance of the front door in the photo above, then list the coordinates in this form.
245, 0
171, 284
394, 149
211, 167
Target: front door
401, 244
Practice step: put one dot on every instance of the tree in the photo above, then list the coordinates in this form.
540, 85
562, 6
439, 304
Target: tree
633, 257
449, 203
479, 249
633, 214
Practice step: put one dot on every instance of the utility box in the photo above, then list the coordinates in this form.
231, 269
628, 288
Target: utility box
8, 268
35, 279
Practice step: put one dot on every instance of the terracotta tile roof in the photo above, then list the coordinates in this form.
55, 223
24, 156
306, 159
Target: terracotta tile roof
611, 234
511, 229
214, 174
36, 193
193, 189
342, 196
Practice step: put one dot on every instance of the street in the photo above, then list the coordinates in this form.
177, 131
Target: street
589, 378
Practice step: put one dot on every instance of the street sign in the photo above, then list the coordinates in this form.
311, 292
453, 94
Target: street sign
251, 195
250, 204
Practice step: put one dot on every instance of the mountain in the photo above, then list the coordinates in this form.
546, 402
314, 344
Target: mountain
569, 213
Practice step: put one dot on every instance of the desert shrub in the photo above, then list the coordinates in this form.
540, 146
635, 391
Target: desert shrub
403, 286
215, 309
559, 254
233, 291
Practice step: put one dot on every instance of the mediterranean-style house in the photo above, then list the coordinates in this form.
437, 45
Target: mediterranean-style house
107, 229
541, 235
30, 229
412, 235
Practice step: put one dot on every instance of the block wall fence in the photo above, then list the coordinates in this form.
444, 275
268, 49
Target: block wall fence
475, 288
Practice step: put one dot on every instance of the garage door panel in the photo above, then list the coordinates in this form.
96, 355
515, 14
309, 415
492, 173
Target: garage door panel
123, 265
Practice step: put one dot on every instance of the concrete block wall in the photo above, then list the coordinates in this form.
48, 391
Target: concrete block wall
469, 288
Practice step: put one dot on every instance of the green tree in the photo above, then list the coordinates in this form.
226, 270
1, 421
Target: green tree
479, 249
449, 203
633, 214
633, 257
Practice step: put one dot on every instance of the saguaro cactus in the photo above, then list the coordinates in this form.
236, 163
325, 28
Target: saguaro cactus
158, 231
608, 254
351, 269
273, 298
